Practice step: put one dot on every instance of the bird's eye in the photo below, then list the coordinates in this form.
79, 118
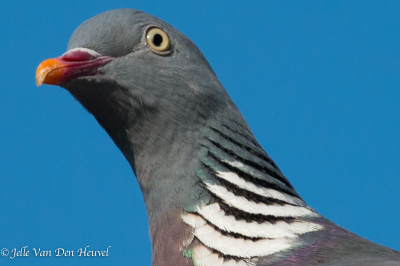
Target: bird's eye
158, 40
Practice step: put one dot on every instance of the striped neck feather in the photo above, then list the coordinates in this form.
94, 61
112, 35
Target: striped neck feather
254, 211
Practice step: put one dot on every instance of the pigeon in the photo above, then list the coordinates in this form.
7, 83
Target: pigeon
213, 195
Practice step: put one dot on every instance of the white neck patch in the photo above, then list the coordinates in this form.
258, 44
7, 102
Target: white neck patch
220, 233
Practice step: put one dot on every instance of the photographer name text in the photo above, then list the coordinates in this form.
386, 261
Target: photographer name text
25, 251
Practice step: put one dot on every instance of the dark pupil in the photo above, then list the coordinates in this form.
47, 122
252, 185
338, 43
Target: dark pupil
157, 40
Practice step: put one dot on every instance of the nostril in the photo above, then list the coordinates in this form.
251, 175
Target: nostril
80, 54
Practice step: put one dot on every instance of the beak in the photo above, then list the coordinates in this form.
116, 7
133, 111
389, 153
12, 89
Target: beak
75, 63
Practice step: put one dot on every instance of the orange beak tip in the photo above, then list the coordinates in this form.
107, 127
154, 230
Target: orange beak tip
46, 70
40, 76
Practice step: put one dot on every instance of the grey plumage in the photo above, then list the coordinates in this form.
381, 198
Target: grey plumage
193, 154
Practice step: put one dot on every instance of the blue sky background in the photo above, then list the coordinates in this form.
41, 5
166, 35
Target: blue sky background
318, 82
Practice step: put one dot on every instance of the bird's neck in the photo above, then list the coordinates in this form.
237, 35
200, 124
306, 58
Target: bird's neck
221, 199
212, 194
